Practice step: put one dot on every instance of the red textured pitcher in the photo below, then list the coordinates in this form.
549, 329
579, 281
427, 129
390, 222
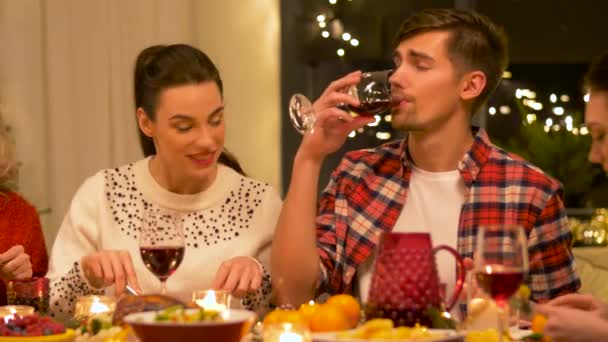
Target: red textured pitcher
405, 281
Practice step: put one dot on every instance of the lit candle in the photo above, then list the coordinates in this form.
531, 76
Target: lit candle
92, 305
286, 332
210, 301
8, 312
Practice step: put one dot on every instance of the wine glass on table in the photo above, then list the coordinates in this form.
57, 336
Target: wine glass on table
500, 264
161, 242
373, 93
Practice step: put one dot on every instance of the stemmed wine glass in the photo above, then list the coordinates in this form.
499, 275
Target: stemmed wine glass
161, 242
500, 264
373, 92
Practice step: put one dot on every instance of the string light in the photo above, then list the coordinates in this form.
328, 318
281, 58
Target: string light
506, 74
584, 130
383, 135
558, 110
531, 118
518, 93
333, 2
320, 18
549, 122
492, 110
376, 122
346, 36
504, 110
354, 42
553, 98
340, 52
352, 134
586, 97
564, 98
556, 128
325, 34
322, 24
388, 118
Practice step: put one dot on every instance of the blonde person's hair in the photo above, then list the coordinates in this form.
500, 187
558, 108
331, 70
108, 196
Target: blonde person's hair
8, 163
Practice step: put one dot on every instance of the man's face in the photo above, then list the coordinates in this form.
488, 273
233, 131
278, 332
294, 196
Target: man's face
425, 82
596, 119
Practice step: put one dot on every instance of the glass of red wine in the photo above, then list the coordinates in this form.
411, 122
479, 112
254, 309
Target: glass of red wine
161, 242
501, 262
373, 92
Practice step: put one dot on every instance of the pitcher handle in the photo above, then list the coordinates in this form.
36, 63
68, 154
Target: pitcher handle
460, 273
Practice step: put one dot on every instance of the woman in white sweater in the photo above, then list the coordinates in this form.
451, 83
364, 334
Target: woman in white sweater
228, 219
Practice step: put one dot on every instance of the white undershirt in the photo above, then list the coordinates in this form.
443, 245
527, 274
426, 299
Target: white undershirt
433, 205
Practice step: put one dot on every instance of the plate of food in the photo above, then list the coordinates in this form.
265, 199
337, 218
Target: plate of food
182, 324
380, 330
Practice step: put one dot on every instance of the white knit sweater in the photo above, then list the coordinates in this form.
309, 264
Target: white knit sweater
235, 216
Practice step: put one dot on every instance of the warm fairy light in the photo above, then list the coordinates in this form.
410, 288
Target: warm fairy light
346, 36
352, 134
518, 93
556, 128
504, 110
354, 42
575, 131
333, 2
388, 118
586, 97
506, 74
320, 18
558, 110
325, 34
376, 121
553, 98
549, 122
492, 110
535, 105
584, 130
322, 24
531, 118
340, 52
564, 98
547, 129
383, 135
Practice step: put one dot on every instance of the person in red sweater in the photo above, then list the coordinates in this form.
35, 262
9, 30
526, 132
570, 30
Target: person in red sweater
22, 250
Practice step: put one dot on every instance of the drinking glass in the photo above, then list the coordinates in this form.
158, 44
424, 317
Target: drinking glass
161, 242
373, 92
500, 264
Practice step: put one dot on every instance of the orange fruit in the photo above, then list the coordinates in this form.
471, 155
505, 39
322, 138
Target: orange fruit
280, 316
538, 326
307, 311
349, 305
329, 317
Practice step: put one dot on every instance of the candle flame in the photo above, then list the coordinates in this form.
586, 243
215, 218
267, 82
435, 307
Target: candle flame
98, 307
209, 302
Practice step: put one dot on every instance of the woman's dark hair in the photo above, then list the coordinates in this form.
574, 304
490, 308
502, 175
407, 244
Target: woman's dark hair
596, 78
160, 67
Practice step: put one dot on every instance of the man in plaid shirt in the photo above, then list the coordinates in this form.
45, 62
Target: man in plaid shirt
445, 176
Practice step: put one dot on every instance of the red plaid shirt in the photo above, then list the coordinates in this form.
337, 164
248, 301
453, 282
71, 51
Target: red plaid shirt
367, 191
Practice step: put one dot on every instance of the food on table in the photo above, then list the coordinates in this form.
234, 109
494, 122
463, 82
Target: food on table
131, 304
340, 312
488, 335
178, 314
30, 325
349, 305
99, 328
384, 329
538, 327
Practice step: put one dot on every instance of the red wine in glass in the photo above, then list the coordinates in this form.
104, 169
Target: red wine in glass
373, 92
162, 261
499, 282
161, 242
372, 107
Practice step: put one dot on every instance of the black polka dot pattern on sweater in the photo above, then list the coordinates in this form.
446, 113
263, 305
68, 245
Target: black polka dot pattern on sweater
209, 227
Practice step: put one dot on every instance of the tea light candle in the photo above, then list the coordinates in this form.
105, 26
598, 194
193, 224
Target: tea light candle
92, 305
8, 312
211, 300
286, 332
